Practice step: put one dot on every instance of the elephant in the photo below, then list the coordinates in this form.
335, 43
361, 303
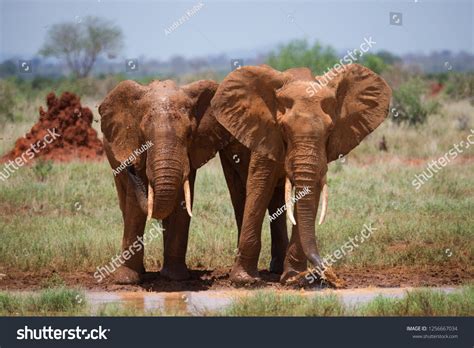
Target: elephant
293, 124
182, 134
155, 182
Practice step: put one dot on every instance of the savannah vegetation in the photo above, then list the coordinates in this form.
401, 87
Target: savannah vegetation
64, 217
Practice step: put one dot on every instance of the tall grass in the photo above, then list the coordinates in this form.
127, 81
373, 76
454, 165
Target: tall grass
423, 303
52, 301
415, 303
273, 304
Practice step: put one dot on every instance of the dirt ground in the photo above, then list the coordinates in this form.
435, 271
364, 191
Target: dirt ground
433, 276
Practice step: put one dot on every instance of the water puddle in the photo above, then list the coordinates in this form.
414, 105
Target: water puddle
198, 302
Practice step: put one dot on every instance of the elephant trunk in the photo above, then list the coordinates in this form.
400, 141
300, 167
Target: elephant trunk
308, 188
166, 180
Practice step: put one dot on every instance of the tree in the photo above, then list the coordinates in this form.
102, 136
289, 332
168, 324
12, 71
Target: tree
80, 44
297, 53
374, 63
410, 103
7, 68
388, 58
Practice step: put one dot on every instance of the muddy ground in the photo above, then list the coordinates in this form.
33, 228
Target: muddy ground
433, 276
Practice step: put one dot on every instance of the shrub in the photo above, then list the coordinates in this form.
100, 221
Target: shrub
297, 53
460, 86
374, 63
410, 104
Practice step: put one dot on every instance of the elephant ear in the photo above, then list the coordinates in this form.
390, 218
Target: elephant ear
209, 136
245, 104
361, 104
120, 119
201, 93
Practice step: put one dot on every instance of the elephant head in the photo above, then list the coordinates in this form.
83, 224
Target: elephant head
304, 124
165, 119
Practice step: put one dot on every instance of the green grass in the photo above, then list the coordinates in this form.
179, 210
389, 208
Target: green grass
423, 303
119, 310
70, 221
414, 303
61, 301
52, 301
266, 303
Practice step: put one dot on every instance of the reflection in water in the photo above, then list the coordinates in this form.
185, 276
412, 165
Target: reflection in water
200, 302
191, 303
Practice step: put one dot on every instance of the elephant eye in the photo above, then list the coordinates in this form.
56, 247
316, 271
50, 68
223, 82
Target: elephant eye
285, 103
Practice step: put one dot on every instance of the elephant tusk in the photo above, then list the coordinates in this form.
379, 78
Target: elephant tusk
187, 197
324, 194
289, 201
151, 198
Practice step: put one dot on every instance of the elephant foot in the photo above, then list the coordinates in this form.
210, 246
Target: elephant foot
242, 276
292, 270
276, 265
127, 276
175, 271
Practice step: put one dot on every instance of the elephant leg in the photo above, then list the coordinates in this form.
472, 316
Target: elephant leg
175, 238
261, 182
134, 224
236, 185
278, 231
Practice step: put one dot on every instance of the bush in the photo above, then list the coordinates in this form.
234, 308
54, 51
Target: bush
298, 54
460, 86
409, 103
374, 63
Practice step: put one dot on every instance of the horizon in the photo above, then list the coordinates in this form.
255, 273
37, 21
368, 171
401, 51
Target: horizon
427, 26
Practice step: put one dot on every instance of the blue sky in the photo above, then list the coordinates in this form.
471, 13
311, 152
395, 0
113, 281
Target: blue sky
245, 28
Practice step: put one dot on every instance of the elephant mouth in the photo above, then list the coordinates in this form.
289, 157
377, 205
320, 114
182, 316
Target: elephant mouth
151, 200
290, 200
139, 187
146, 195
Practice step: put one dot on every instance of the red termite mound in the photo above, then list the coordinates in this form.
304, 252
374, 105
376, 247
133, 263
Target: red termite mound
72, 122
